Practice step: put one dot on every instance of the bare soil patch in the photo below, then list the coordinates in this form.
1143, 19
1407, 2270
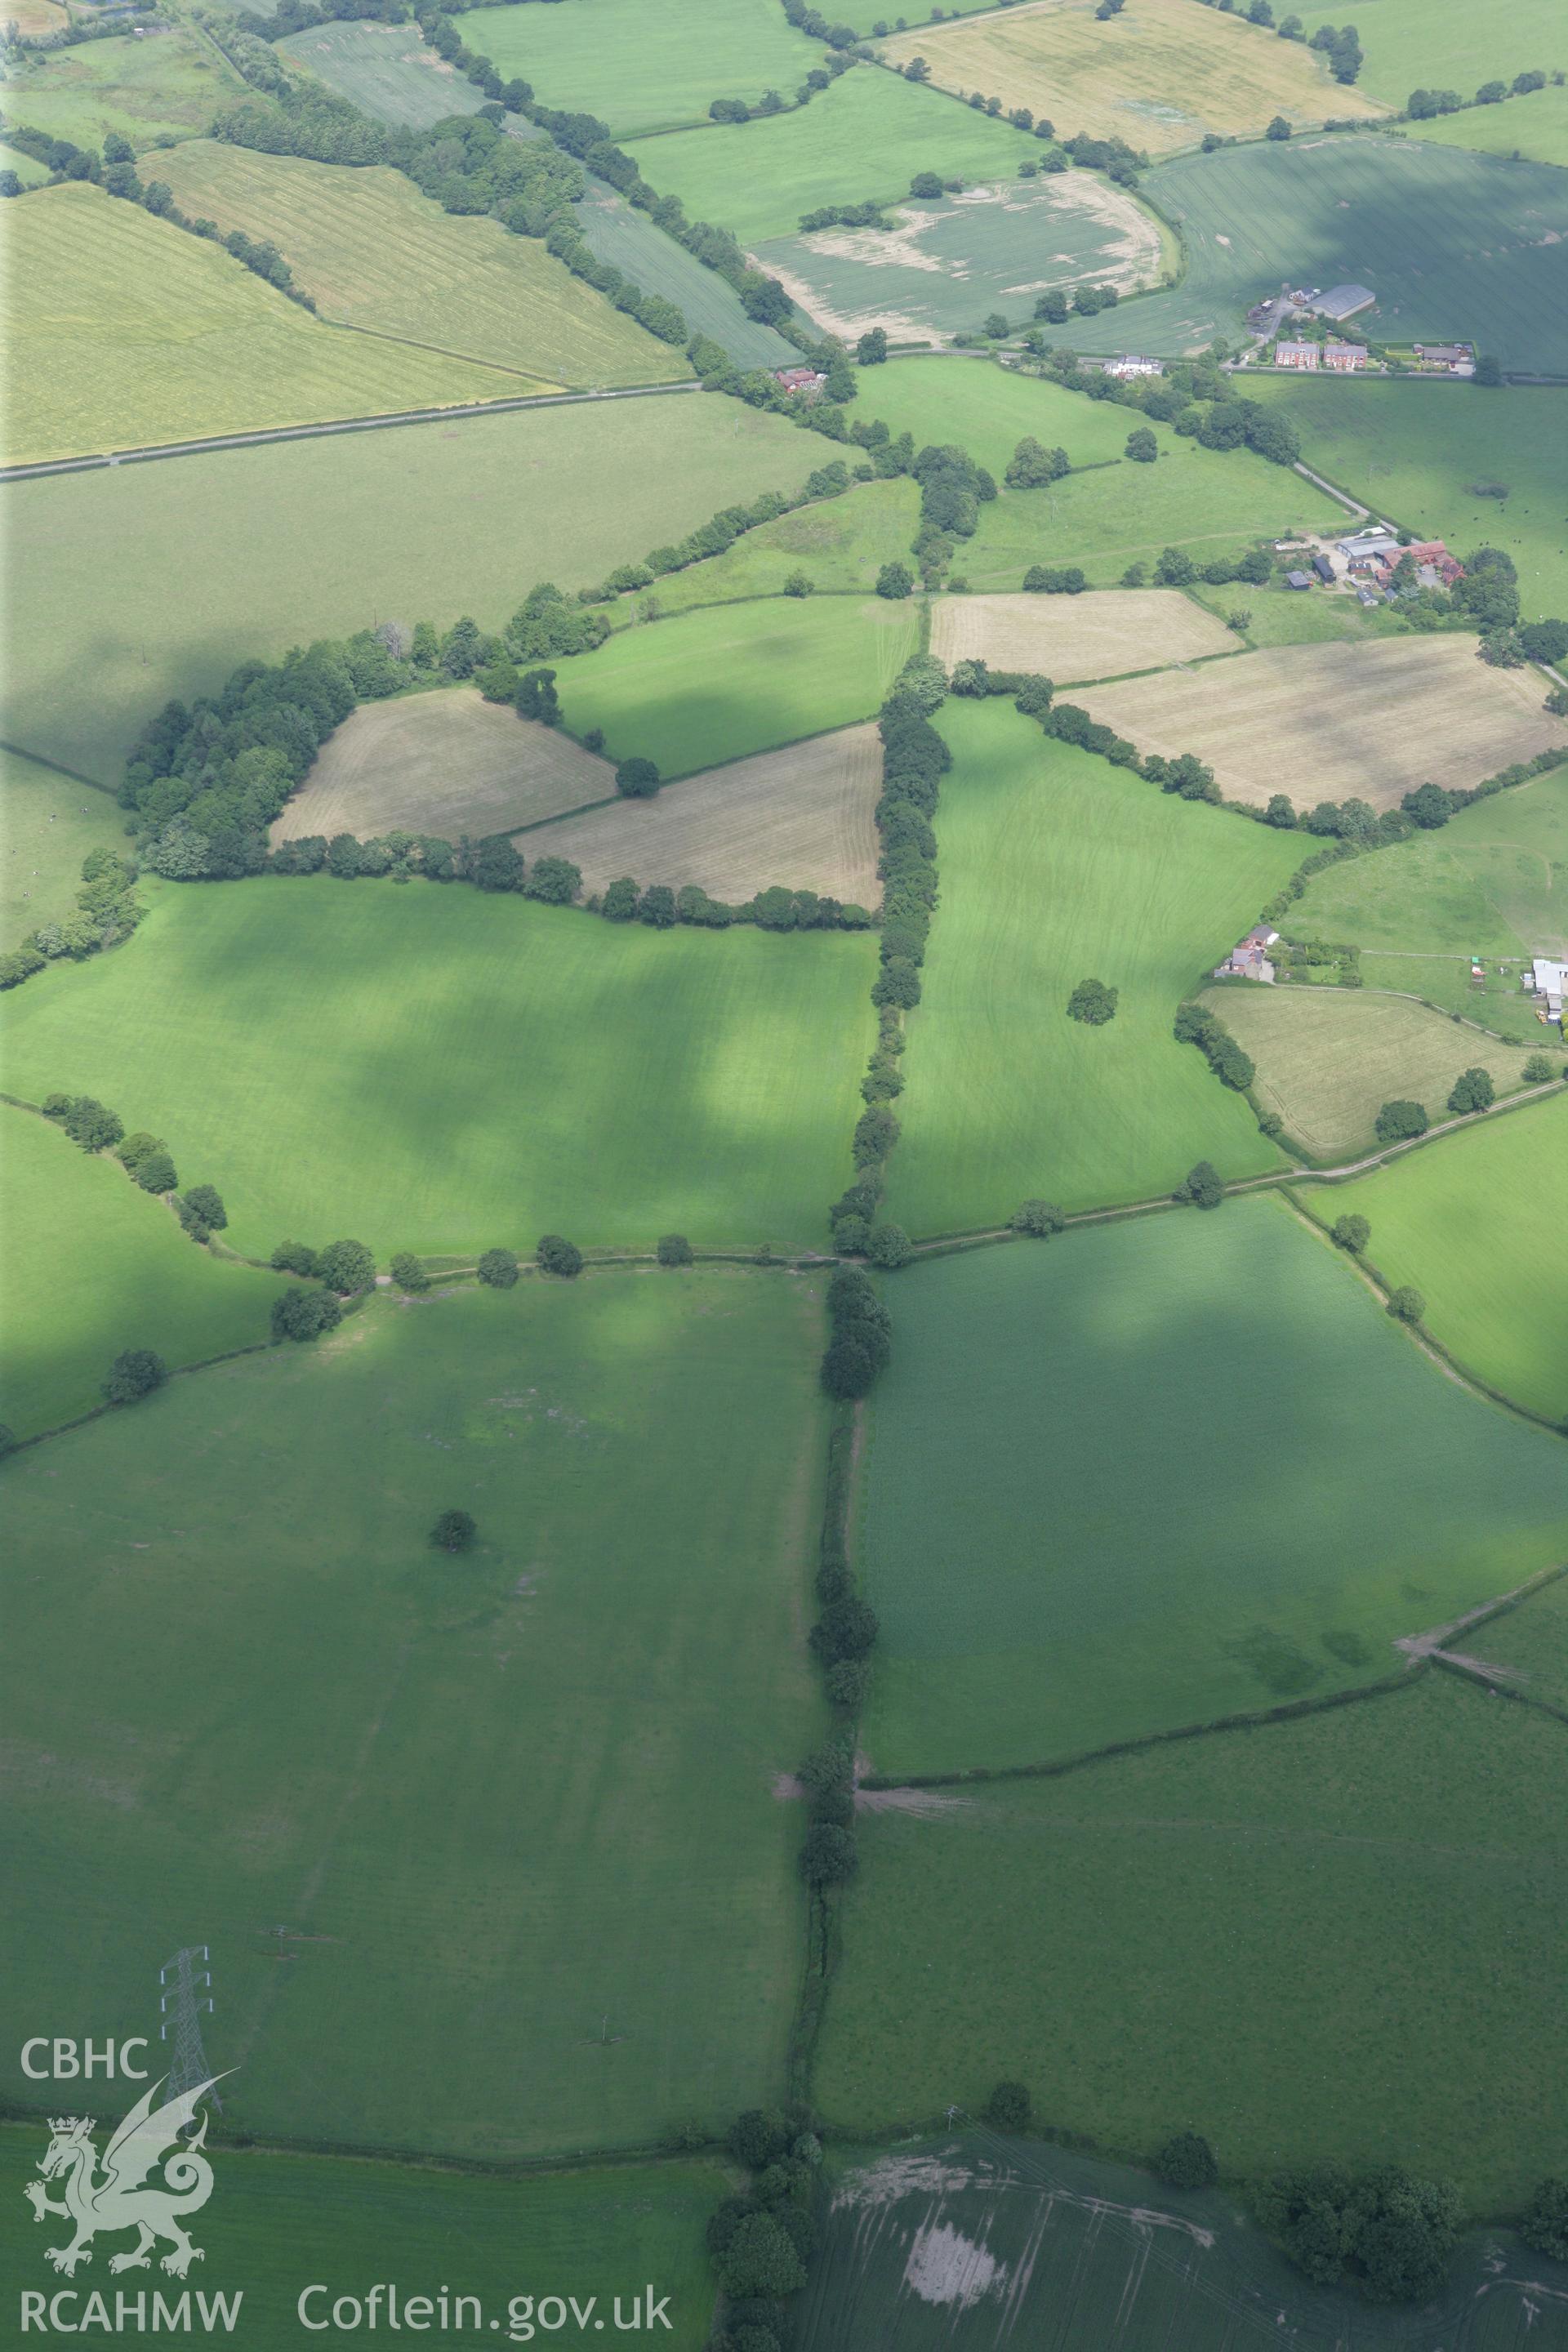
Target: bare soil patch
800, 816
444, 763
1101, 634
1339, 721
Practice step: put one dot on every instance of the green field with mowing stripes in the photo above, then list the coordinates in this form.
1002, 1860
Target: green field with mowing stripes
628, 240
425, 522
1448, 43
1332, 1940
864, 139
441, 1070
1452, 243
642, 69
1154, 1474
1476, 1223
1056, 866
527, 1792
387, 70
94, 1266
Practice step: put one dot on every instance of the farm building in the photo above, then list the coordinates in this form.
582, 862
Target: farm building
1345, 358
1435, 567
801, 380
1298, 580
1296, 355
1544, 979
1323, 567
1129, 364
1455, 359
1248, 959
1365, 545
1342, 303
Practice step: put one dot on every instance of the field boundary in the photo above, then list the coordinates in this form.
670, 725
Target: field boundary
20, 751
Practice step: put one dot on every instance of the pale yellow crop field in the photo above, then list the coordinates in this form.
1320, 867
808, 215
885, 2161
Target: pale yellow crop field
1103, 634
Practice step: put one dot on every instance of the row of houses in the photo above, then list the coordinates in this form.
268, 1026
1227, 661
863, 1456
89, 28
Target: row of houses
1342, 358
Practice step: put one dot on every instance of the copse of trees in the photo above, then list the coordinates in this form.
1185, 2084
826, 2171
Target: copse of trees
302, 1315
108, 911
1197, 1026
1201, 1187
86, 1120
1385, 2234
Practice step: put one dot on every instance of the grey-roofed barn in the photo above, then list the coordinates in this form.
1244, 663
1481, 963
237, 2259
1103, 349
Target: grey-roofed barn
1342, 302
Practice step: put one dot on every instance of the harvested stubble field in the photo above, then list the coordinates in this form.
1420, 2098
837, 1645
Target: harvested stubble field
167, 87
1271, 1936
1337, 722
547, 1765
1067, 1543
422, 522
374, 253
1328, 1058
1056, 865
1475, 1222
441, 1069
862, 140
801, 817
640, 69
287, 2218
950, 263
125, 331
1154, 75
387, 70
1072, 637
445, 762
94, 1265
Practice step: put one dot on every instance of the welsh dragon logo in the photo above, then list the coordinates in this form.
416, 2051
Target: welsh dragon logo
121, 2197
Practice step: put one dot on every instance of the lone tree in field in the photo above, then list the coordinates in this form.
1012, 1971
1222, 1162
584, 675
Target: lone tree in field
1008, 2108
1187, 2161
1092, 1002
1538, 1069
497, 1269
674, 1249
872, 348
1473, 1090
1398, 1121
636, 779
1353, 1234
135, 1373
454, 1531
1278, 129
1141, 447
557, 1256
305, 1314
1201, 1186
1406, 1304
1040, 1218
895, 581
346, 1267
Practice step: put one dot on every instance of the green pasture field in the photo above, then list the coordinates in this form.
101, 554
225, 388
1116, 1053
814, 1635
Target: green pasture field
376, 254
863, 138
866, 15
94, 1266
1425, 454
1328, 1058
28, 170
951, 263
1154, 75
719, 683
1476, 1223
1534, 126
164, 87
1448, 43
642, 69
124, 331
1532, 1640
48, 824
1056, 866
840, 544
1333, 1939
1190, 1469
1077, 2251
527, 1793
1492, 882
423, 522
387, 70
628, 240
989, 409
543, 1071
1278, 615
1451, 243
277, 2224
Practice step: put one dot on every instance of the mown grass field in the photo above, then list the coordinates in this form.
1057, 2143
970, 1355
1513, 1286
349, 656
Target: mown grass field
1446, 460
1453, 244
28, 170
1534, 126
446, 762
441, 1070
277, 2224
627, 239
840, 544
642, 69
1158, 1473
989, 410
527, 1792
94, 1266
124, 331
376, 254
1331, 1940
1075, 2248
1448, 43
147, 89
865, 137
729, 679
1383, 719
1328, 1058
950, 264
802, 816
388, 69
48, 824
1069, 637
1154, 75
1056, 867
1476, 1223
424, 522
